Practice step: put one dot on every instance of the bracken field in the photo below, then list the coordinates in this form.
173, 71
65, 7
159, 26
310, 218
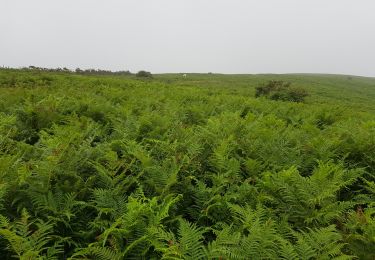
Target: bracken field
125, 167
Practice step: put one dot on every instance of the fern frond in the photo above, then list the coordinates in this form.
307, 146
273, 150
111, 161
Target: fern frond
29, 239
323, 243
96, 252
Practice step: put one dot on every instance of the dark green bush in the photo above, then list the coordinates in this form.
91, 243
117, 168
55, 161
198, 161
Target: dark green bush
143, 74
280, 90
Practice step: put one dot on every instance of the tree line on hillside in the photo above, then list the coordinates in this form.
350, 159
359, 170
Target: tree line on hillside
141, 73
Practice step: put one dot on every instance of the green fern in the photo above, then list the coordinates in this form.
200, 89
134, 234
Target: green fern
97, 253
323, 243
360, 232
188, 244
311, 199
30, 239
57, 207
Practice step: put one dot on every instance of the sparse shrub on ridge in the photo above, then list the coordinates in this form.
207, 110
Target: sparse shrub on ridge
280, 90
143, 74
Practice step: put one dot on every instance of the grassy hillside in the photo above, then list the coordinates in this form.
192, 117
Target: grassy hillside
349, 91
105, 167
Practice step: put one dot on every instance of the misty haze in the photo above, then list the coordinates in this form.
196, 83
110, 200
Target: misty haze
183, 129
191, 36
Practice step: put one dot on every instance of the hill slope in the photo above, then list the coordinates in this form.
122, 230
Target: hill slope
185, 168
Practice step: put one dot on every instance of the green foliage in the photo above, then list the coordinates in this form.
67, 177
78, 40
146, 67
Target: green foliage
280, 90
143, 74
314, 199
113, 167
30, 240
323, 243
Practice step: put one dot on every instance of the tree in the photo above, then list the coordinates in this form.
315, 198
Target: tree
144, 74
280, 90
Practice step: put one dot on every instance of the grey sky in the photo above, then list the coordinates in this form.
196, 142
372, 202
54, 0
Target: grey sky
227, 36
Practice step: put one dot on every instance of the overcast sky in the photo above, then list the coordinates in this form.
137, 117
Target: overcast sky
225, 36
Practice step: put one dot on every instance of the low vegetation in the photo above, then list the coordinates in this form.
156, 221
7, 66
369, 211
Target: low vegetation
117, 167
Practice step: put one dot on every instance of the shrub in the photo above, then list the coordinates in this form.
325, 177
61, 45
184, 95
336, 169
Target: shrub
280, 90
144, 74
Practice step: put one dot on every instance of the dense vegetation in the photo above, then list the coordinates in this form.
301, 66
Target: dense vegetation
280, 90
106, 167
